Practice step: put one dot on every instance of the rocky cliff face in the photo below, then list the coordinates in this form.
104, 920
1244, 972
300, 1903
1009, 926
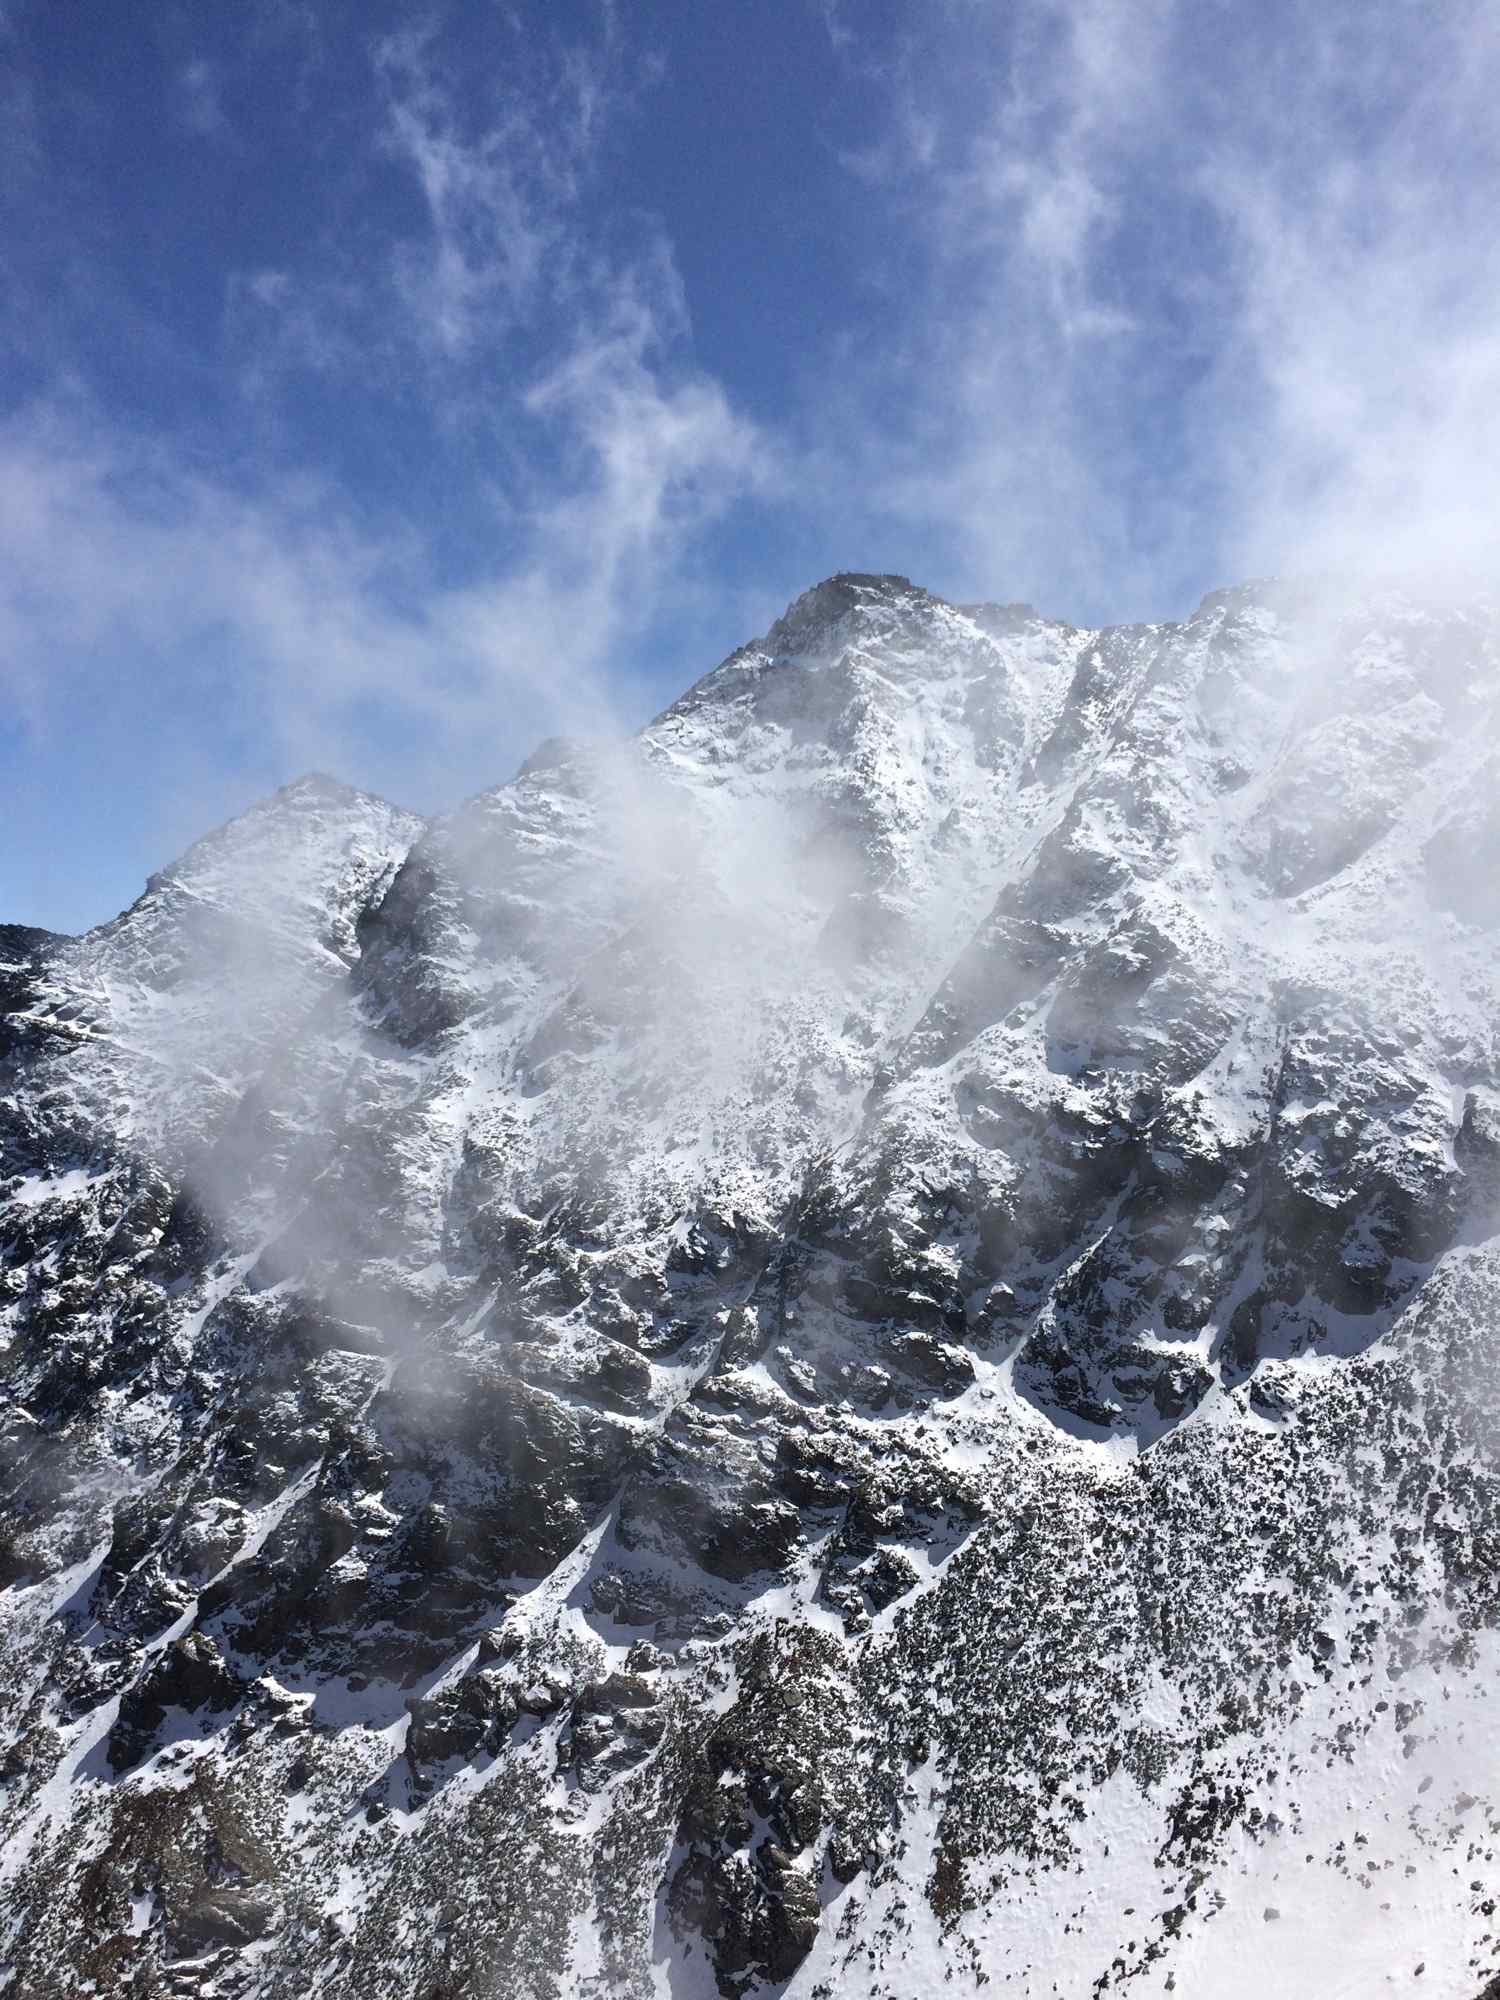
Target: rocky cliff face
848, 1348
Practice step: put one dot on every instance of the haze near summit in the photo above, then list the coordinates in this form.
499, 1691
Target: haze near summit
384, 391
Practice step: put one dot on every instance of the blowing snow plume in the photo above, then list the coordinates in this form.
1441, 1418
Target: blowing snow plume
854, 1332
845, 1345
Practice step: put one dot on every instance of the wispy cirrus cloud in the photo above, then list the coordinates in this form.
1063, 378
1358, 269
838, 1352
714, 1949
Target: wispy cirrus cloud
1197, 292
1100, 304
1359, 374
328, 636
496, 199
557, 354
495, 248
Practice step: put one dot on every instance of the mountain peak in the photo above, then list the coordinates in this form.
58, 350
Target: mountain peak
812, 615
319, 785
284, 835
890, 1285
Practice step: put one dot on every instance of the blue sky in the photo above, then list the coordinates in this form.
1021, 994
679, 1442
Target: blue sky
383, 387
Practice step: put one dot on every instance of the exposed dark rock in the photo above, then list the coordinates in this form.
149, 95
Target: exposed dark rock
706, 1358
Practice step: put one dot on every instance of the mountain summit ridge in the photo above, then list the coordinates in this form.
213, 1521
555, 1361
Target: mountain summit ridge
845, 1346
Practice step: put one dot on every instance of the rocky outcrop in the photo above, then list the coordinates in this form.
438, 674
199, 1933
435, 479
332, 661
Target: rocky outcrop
845, 1347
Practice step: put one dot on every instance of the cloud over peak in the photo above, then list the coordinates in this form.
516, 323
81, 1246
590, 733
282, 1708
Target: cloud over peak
418, 384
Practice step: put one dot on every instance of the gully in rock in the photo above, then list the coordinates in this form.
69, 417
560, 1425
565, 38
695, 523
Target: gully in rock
844, 1346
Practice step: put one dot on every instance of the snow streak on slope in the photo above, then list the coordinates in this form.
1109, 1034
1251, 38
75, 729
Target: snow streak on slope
846, 1348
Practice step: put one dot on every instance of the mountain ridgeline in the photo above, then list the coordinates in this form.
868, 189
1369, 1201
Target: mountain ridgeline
848, 1348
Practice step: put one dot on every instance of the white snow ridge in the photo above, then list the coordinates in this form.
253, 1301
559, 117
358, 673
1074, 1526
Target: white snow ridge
847, 1349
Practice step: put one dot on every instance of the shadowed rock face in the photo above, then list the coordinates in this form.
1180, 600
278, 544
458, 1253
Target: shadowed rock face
848, 1343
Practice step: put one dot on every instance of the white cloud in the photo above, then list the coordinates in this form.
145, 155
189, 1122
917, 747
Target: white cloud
1173, 295
971, 429
1357, 197
1202, 291
505, 259
117, 547
560, 355
500, 192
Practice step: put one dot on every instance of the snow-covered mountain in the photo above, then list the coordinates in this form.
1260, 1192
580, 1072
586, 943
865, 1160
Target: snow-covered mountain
849, 1348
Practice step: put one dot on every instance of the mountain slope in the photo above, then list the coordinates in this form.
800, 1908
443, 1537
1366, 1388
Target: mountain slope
848, 1347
